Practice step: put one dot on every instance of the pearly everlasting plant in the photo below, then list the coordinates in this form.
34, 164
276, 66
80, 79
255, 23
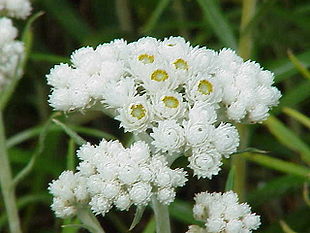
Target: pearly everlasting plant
221, 213
184, 98
177, 100
11, 52
15, 8
110, 175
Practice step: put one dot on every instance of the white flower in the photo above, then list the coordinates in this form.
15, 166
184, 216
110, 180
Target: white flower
205, 162
123, 202
226, 139
140, 193
100, 205
198, 133
120, 93
221, 212
136, 115
168, 105
168, 136
166, 195
69, 191
15, 8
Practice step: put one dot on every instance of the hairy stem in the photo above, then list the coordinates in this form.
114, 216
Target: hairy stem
161, 216
245, 48
89, 220
7, 187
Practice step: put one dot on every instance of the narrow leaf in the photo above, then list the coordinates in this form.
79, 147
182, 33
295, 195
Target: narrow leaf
286, 228
279, 165
78, 140
218, 22
230, 179
71, 155
161, 6
150, 227
137, 218
298, 64
303, 119
287, 137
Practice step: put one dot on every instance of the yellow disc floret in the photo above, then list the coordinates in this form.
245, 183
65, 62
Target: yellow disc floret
170, 102
137, 111
146, 58
205, 87
181, 64
159, 75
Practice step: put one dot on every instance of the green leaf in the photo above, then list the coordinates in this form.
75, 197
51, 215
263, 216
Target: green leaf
230, 179
70, 221
287, 137
71, 155
284, 68
78, 140
218, 22
138, 215
45, 57
150, 226
68, 18
279, 165
161, 6
274, 189
298, 64
303, 119
286, 228
28, 168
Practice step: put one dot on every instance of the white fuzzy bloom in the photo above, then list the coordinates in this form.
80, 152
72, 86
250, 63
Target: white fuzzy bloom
221, 212
205, 162
69, 192
168, 136
11, 52
226, 139
135, 116
15, 8
110, 175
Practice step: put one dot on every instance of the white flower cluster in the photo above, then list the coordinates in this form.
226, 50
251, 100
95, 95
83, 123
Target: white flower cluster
182, 95
11, 51
69, 193
221, 213
110, 175
15, 8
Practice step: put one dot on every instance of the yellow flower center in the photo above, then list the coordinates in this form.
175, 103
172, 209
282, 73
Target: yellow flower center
159, 75
170, 102
146, 58
205, 87
137, 111
181, 64
171, 45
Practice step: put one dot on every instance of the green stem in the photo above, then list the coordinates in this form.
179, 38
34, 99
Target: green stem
8, 190
89, 220
245, 48
161, 216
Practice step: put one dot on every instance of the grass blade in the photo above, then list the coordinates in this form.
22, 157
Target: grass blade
298, 64
230, 179
78, 140
287, 137
218, 22
303, 119
279, 165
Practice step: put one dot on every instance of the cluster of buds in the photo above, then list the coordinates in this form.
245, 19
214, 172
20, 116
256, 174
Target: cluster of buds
110, 175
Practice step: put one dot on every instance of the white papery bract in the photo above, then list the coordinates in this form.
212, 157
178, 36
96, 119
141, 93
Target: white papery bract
69, 193
110, 175
11, 51
221, 212
15, 8
185, 98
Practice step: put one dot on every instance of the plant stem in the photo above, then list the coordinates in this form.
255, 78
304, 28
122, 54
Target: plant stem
245, 48
89, 220
7, 187
161, 216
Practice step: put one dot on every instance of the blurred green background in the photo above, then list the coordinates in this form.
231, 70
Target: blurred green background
275, 190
